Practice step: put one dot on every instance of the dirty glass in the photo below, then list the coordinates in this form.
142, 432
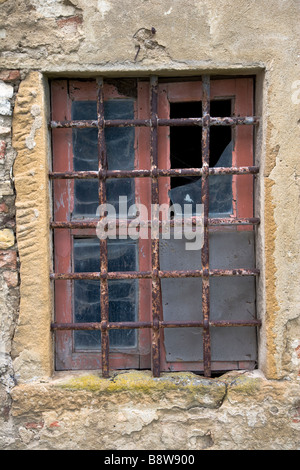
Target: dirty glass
231, 298
122, 256
119, 149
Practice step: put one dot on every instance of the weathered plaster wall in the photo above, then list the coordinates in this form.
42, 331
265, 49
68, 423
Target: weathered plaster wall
46, 38
178, 411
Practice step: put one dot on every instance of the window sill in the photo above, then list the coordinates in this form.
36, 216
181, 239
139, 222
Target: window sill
183, 389
133, 410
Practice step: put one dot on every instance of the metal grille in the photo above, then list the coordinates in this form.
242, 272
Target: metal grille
156, 274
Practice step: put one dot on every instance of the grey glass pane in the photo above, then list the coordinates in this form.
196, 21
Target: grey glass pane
122, 256
231, 298
220, 189
119, 149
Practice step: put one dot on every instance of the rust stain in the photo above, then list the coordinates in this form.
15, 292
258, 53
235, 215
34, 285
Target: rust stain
34, 425
55, 424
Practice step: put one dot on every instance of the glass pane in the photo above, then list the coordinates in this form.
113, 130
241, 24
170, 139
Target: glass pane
119, 149
186, 152
231, 298
122, 256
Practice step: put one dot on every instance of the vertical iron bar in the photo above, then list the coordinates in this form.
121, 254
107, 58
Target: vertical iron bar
102, 165
205, 202
156, 286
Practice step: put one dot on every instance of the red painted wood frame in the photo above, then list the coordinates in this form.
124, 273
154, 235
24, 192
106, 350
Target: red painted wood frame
240, 91
63, 93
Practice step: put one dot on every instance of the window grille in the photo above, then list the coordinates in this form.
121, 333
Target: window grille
156, 274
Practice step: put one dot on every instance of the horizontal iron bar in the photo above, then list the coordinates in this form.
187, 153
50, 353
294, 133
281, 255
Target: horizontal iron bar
228, 221
161, 324
91, 224
213, 121
174, 172
154, 275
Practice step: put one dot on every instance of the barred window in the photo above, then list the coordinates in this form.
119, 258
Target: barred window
154, 224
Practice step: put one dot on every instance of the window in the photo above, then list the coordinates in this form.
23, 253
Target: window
160, 300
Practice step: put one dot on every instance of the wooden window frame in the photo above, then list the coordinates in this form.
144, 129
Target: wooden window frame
151, 351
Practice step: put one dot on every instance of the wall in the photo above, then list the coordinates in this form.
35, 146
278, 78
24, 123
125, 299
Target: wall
41, 409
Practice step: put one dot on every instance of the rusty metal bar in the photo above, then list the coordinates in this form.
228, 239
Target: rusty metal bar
158, 274
90, 124
156, 286
102, 165
233, 221
74, 175
212, 222
214, 121
205, 202
162, 324
174, 172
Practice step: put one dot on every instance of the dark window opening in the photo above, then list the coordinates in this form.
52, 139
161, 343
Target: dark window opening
185, 142
186, 152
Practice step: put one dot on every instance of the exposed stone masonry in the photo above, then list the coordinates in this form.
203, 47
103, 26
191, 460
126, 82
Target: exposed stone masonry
9, 275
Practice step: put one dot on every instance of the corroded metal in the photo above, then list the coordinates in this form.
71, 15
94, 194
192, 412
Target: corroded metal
179, 122
154, 172
156, 286
102, 165
205, 202
161, 324
119, 223
156, 274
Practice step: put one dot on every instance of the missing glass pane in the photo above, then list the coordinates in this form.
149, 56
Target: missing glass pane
186, 152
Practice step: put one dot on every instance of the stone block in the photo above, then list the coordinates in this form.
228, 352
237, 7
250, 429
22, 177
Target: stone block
6, 90
8, 259
7, 238
2, 149
3, 208
10, 75
5, 107
4, 130
11, 278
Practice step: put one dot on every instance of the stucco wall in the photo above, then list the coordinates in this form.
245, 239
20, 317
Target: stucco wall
53, 38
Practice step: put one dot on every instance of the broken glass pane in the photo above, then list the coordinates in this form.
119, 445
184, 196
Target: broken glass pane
220, 189
119, 150
122, 256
